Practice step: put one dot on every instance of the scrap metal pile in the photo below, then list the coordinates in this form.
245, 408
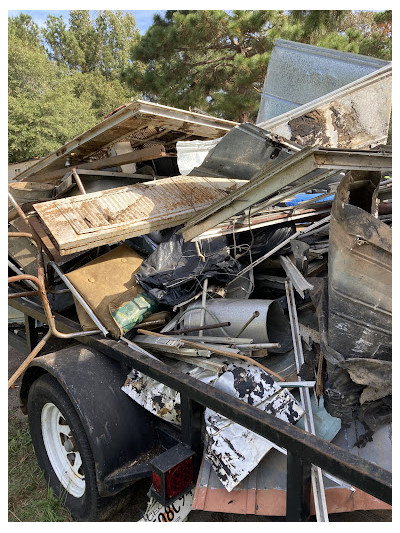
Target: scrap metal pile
255, 258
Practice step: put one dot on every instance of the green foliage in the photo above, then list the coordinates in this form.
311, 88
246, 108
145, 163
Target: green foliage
99, 45
49, 102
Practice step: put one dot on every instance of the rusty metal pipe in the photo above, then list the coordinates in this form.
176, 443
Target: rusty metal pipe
21, 234
35, 235
23, 294
30, 357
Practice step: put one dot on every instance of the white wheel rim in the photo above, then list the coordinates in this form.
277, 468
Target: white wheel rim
62, 450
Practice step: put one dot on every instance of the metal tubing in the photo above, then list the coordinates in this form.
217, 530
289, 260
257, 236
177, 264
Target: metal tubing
218, 351
30, 357
23, 294
64, 278
255, 315
265, 320
198, 328
203, 303
46, 306
316, 474
35, 235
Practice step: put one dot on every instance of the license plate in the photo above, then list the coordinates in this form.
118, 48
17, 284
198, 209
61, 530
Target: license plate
175, 512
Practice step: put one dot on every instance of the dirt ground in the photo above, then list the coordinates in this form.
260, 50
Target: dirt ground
136, 503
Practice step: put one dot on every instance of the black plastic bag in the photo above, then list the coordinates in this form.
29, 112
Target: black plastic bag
174, 272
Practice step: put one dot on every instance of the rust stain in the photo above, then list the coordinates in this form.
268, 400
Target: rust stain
309, 129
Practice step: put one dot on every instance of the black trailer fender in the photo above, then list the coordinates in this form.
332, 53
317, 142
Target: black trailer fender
118, 429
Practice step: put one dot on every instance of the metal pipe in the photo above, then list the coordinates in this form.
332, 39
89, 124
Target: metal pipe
23, 294
46, 306
30, 357
218, 351
64, 278
203, 303
316, 474
19, 272
35, 235
199, 328
268, 322
258, 346
255, 315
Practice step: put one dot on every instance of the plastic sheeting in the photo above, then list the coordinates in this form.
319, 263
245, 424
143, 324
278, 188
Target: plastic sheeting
174, 272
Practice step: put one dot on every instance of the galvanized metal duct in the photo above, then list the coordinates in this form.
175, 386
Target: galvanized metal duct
270, 325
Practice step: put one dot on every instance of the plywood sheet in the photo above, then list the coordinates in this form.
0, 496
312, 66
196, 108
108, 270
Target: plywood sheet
86, 221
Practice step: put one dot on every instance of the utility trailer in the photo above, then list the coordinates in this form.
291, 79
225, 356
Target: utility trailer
92, 441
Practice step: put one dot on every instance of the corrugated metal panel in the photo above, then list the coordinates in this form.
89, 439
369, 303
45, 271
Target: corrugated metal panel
298, 73
83, 222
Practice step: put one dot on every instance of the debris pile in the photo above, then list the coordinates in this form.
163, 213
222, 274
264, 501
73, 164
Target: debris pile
255, 258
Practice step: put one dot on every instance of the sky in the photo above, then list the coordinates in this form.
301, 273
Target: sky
144, 18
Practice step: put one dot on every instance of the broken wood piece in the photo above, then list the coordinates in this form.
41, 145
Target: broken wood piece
105, 217
218, 351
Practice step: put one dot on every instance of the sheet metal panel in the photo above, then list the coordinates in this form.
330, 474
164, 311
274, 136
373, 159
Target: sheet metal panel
298, 73
83, 222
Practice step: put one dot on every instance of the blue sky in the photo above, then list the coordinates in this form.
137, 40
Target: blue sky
144, 18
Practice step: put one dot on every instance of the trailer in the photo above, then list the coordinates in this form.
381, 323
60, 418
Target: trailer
76, 408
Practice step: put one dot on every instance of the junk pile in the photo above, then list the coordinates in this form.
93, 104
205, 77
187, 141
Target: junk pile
255, 258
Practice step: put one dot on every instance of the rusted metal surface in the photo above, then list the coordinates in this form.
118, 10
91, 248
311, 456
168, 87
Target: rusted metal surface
355, 116
83, 222
360, 272
140, 121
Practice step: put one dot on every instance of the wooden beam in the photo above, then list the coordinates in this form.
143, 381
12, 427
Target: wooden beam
151, 152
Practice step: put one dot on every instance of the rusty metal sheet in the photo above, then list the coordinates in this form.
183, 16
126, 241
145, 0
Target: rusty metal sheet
86, 221
139, 121
355, 116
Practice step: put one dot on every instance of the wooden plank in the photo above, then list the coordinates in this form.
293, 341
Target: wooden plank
85, 221
151, 152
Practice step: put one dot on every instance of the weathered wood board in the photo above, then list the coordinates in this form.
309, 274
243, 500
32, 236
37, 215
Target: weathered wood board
90, 220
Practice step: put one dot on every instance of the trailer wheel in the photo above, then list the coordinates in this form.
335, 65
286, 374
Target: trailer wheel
63, 451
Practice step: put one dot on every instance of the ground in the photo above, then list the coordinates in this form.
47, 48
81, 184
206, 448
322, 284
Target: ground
31, 501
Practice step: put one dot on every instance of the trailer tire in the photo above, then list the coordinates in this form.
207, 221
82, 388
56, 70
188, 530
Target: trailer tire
63, 451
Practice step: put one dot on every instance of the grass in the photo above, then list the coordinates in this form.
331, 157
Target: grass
29, 497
